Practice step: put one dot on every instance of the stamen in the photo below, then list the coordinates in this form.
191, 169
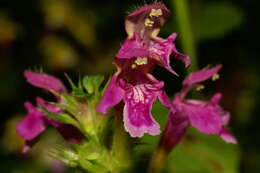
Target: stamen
200, 87
215, 77
148, 22
133, 65
141, 61
155, 13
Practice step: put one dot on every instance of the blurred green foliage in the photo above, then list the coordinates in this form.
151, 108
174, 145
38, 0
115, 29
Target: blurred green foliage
216, 19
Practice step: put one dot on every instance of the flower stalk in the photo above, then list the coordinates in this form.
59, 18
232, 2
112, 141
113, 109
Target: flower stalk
158, 160
120, 144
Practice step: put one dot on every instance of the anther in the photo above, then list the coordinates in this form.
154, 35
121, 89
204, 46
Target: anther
141, 61
133, 65
155, 13
200, 87
148, 22
215, 77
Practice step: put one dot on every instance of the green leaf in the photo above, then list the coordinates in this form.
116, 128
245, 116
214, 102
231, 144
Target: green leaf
91, 157
216, 20
92, 83
200, 153
72, 85
70, 105
61, 117
76, 90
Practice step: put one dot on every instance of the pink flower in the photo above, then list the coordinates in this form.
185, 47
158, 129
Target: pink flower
206, 116
45, 81
35, 122
139, 54
142, 27
138, 99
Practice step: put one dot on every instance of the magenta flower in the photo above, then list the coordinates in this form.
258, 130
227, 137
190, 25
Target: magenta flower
132, 83
143, 26
35, 122
45, 81
206, 116
138, 99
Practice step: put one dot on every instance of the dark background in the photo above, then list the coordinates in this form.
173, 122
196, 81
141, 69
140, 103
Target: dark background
82, 37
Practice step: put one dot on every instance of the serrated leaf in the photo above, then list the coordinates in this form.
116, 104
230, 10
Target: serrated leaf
217, 19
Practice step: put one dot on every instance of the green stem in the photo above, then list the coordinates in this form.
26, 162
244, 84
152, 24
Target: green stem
157, 162
120, 145
181, 10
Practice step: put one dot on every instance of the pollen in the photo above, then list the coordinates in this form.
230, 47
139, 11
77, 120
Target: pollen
148, 22
133, 65
215, 77
155, 13
200, 87
141, 61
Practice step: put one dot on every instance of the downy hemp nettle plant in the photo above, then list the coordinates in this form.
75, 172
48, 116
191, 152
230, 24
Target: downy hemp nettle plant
95, 143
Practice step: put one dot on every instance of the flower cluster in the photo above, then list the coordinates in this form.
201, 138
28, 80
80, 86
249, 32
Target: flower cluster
133, 82
206, 116
77, 116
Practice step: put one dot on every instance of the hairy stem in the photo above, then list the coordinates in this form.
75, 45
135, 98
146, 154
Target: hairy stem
159, 157
120, 145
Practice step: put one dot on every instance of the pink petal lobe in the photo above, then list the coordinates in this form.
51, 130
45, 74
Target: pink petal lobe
164, 48
201, 75
137, 111
226, 136
133, 47
32, 125
112, 96
44, 81
204, 117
